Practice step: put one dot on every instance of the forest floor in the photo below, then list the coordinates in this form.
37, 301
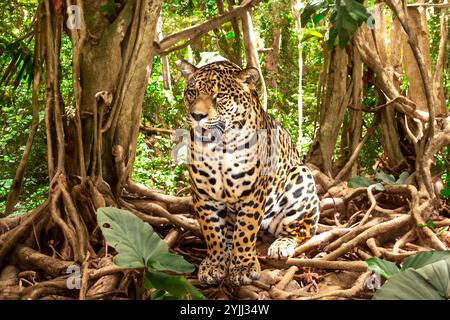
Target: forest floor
354, 226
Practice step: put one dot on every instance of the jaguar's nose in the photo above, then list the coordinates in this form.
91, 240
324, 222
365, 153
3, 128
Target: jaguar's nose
198, 116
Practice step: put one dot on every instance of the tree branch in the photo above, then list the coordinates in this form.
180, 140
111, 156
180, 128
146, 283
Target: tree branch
193, 33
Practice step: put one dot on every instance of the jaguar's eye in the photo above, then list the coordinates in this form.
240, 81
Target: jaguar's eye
220, 95
190, 94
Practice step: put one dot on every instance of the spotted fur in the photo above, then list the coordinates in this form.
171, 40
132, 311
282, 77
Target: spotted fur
246, 174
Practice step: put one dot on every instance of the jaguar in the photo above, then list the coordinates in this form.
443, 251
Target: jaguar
245, 172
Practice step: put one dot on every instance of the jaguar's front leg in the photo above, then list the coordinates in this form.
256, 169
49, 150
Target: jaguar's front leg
245, 266
211, 215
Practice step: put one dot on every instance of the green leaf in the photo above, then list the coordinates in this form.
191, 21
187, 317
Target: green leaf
310, 10
177, 286
356, 10
407, 285
315, 33
431, 224
133, 239
136, 243
230, 35
422, 259
318, 17
171, 262
402, 178
438, 275
445, 192
158, 294
347, 16
361, 182
385, 268
386, 178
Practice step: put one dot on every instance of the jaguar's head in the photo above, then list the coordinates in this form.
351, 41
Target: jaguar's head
218, 93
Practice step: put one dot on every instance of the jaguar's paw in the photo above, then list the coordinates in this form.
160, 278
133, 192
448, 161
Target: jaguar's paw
282, 248
210, 272
244, 274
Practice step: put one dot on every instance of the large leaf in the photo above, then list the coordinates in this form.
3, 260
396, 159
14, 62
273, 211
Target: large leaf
386, 178
422, 259
361, 182
385, 268
172, 262
348, 15
402, 178
424, 276
311, 9
136, 243
176, 286
438, 275
407, 285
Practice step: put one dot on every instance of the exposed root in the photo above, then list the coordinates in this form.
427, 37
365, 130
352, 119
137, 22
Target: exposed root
318, 264
385, 227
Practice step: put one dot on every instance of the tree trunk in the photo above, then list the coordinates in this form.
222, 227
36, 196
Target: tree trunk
355, 116
337, 97
251, 52
115, 60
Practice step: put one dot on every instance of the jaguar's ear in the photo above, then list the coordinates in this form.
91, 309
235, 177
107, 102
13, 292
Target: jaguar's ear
249, 76
186, 68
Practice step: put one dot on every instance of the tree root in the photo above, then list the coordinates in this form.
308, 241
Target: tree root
317, 264
367, 235
384, 227
318, 240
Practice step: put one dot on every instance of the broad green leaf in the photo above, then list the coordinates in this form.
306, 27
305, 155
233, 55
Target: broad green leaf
402, 178
422, 259
177, 286
356, 10
133, 239
385, 268
438, 275
407, 285
230, 35
445, 192
347, 16
136, 243
386, 178
361, 182
171, 262
310, 10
